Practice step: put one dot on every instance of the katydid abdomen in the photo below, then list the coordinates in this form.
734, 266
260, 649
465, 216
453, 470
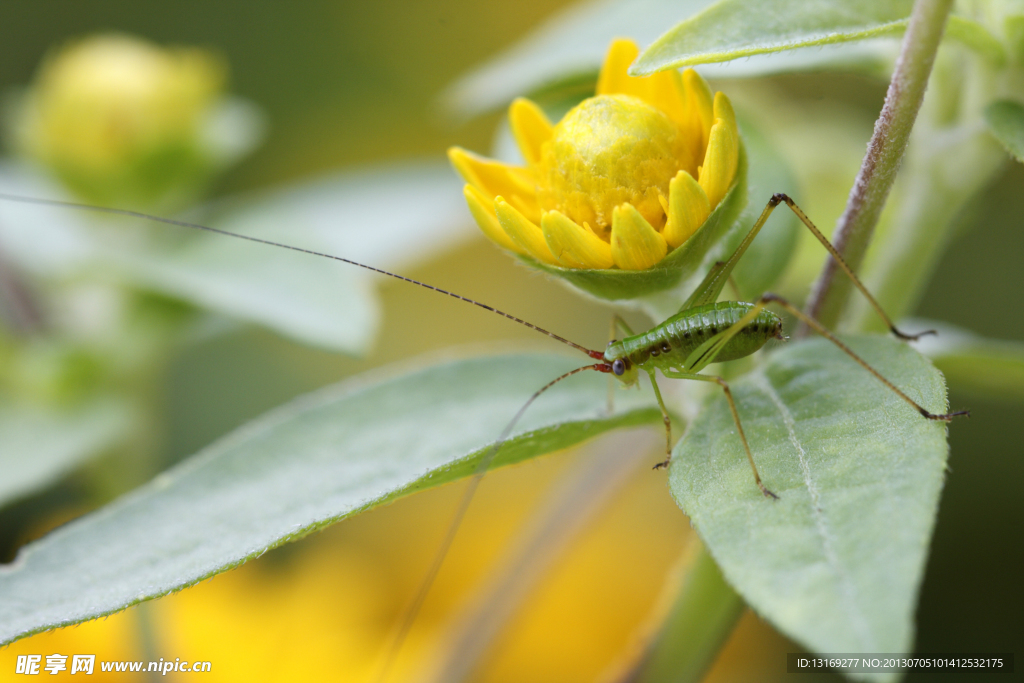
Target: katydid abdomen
669, 344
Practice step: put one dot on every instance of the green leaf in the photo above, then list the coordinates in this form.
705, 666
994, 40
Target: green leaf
310, 300
736, 29
39, 446
732, 29
42, 241
388, 215
340, 451
684, 262
972, 364
837, 562
384, 216
1005, 120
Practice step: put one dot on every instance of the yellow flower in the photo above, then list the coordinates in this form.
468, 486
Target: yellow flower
120, 120
623, 179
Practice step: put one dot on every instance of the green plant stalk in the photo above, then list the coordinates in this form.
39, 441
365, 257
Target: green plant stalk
882, 161
698, 624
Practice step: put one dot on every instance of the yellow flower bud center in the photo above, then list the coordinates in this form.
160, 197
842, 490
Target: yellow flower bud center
608, 150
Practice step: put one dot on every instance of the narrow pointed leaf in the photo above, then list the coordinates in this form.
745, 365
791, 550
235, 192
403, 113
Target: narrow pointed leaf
701, 618
325, 457
837, 561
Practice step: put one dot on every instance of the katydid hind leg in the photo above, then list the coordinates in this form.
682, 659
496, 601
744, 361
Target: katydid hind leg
721, 272
820, 329
735, 418
780, 198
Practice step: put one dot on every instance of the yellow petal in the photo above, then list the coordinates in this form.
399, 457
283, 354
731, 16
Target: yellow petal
700, 112
635, 244
724, 111
482, 209
688, 208
662, 90
574, 246
613, 78
720, 162
666, 93
523, 232
494, 178
530, 127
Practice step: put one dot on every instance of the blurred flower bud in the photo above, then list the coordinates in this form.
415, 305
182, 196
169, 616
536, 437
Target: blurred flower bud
123, 122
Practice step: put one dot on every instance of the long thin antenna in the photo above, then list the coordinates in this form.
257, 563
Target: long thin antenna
460, 511
598, 355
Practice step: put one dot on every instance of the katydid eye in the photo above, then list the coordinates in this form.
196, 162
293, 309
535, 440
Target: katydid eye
618, 367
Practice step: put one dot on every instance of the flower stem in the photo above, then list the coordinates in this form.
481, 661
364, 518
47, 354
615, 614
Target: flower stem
882, 161
700, 620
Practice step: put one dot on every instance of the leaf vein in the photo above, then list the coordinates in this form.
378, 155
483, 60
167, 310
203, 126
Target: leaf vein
847, 588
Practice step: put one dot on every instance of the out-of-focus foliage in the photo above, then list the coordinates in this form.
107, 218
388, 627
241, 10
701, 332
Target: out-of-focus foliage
1006, 121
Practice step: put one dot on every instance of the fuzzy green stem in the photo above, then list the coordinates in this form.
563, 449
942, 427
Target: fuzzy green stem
882, 161
700, 621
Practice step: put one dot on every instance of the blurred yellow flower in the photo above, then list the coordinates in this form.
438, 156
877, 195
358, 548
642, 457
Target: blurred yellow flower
118, 119
625, 177
114, 638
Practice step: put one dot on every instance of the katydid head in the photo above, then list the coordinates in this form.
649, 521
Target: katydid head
622, 367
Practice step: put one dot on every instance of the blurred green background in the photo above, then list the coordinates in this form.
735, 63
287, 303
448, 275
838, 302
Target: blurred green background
348, 83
